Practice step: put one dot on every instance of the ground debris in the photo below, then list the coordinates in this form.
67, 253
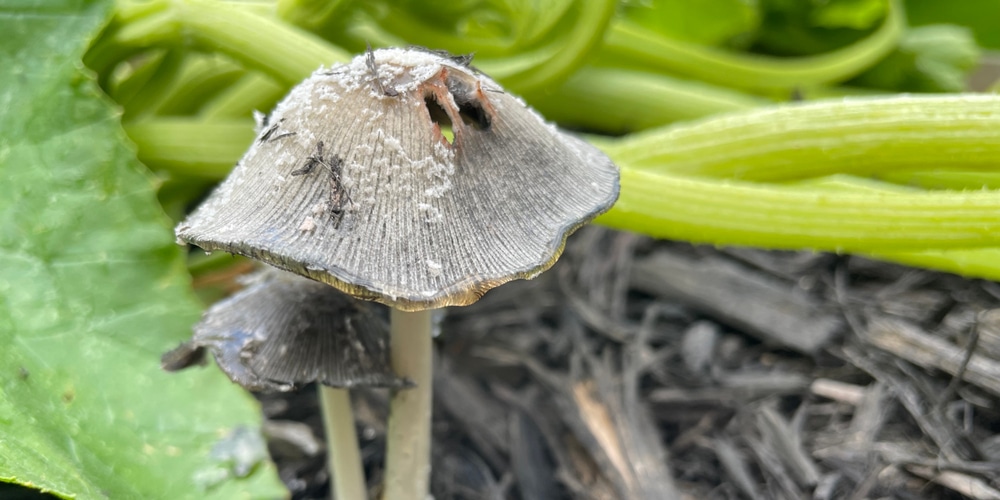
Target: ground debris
639, 369
759, 305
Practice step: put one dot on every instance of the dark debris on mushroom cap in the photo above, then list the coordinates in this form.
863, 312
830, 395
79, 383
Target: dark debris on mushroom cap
284, 331
353, 183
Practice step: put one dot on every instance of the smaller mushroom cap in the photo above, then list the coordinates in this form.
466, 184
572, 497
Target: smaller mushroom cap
283, 331
353, 183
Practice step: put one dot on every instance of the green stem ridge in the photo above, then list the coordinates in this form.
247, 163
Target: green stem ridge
739, 213
861, 136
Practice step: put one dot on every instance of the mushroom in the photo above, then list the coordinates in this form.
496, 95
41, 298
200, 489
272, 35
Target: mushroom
357, 182
283, 331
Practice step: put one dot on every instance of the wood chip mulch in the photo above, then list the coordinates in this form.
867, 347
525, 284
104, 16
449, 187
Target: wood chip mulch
641, 369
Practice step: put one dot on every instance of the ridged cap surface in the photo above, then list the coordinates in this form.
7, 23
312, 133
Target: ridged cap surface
352, 183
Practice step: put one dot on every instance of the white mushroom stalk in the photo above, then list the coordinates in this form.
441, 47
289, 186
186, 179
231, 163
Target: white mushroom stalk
355, 181
284, 331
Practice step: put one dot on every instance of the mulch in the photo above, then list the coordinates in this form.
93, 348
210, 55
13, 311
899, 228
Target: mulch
640, 369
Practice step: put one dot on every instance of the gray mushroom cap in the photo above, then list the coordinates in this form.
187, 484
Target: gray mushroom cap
352, 183
284, 331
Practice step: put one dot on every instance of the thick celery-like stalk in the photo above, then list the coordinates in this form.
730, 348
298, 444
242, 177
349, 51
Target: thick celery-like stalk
862, 136
742, 213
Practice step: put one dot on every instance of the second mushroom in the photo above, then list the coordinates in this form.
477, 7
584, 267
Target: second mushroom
409, 178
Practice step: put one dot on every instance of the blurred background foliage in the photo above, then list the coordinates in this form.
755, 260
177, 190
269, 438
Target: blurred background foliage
709, 77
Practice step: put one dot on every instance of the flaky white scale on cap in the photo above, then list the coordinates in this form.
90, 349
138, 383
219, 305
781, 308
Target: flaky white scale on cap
410, 219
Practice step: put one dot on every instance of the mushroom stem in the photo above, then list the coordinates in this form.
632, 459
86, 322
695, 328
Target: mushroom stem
347, 476
408, 446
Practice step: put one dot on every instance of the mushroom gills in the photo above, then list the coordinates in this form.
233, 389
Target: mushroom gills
284, 331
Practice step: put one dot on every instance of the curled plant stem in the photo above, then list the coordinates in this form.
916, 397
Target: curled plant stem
347, 476
553, 62
626, 41
408, 444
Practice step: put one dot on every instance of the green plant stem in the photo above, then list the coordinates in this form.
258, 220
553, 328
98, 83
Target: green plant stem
976, 262
594, 98
347, 476
258, 41
128, 82
554, 62
283, 51
149, 97
862, 136
661, 203
397, 22
408, 444
626, 41
136, 27
189, 147
944, 179
202, 77
255, 91
525, 33
311, 14
768, 216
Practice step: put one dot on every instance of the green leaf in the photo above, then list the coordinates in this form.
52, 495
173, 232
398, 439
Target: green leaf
979, 15
934, 58
92, 290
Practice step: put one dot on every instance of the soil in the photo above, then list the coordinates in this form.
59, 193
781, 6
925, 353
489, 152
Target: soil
642, 369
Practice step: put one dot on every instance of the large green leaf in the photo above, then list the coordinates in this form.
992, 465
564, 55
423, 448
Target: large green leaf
92, 290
